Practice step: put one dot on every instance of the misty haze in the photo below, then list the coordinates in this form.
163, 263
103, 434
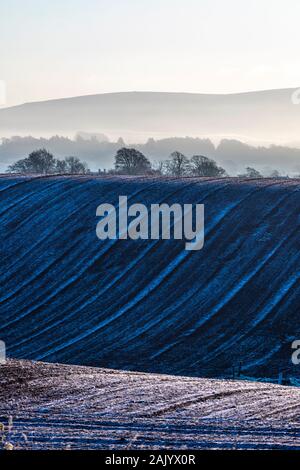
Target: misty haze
257, 128
150, 264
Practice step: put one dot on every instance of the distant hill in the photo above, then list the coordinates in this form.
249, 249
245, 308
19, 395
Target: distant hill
264, 116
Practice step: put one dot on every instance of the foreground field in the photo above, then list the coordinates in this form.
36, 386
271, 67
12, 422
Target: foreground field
51, 406
150, 305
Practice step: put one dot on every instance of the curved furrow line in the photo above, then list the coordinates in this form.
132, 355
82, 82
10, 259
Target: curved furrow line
92, 330
27, 197
141, 294
17, 181
83, 247
90, 299
230, 291
176, 304
151, 305
206, 237
45, 236
262, 314
79, 272
268, 309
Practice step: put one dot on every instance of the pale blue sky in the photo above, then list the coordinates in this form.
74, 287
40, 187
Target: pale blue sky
52, 49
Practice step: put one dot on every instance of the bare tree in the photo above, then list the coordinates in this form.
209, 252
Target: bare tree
43, 162
61, 167
40, 161
252, 173
158, 167
177, 165
131, 162
74, 166
204, 166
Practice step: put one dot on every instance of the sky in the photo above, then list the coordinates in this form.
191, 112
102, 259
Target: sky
62, 48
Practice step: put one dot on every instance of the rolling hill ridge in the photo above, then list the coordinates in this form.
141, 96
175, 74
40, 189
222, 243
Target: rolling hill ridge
150, 305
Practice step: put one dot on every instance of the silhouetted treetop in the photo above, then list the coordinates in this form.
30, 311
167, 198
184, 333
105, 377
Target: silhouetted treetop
131, 162
43, 162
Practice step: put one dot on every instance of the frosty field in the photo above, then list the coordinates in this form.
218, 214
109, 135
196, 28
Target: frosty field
69, 407
103, 309
150, 305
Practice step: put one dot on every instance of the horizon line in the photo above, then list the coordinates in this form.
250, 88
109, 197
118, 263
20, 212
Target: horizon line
89, 95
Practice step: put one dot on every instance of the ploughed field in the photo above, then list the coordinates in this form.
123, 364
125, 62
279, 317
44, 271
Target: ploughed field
151, 305
51, 406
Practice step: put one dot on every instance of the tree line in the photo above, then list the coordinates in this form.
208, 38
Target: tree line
43, 162
127, 161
